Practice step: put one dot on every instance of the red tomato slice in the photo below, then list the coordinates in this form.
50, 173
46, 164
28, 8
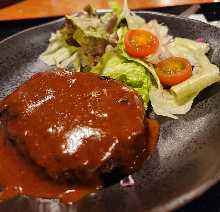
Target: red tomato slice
140, 43
173, 70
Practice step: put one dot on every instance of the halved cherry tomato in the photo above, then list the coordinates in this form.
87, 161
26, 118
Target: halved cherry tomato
140, 43
173, 70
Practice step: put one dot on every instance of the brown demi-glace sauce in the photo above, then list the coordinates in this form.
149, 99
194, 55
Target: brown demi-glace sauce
61, 125
18, 176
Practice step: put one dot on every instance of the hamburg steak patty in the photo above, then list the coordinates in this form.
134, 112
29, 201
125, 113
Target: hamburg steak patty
77, 125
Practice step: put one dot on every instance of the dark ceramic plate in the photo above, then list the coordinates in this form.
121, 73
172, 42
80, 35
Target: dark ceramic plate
187, 160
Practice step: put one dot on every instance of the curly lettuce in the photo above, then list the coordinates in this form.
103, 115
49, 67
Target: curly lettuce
82, 40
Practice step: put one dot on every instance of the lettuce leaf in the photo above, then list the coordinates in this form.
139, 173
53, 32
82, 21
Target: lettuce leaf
90, 26
189, 49
164, 103
108, 60
131, 73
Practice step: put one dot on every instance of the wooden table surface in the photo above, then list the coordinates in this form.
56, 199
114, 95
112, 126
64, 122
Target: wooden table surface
28, 9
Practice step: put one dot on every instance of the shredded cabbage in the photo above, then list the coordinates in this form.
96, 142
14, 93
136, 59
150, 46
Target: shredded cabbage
161, 31
59, 53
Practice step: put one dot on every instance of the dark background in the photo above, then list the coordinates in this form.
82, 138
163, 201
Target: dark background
210, 201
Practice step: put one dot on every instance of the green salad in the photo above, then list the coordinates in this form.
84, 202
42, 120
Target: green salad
168, 72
